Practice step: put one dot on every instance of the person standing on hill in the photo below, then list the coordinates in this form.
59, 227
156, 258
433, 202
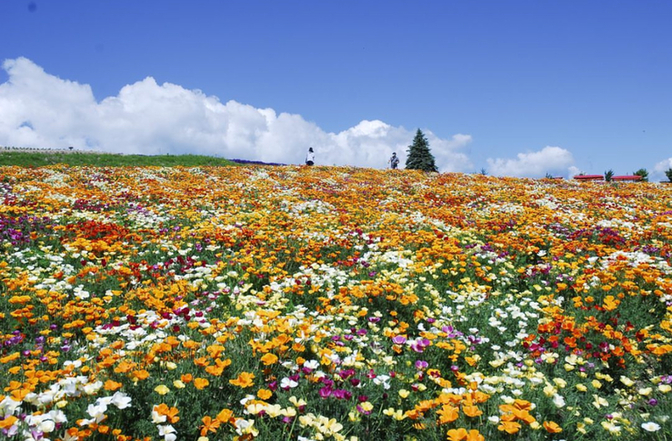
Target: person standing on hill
310, 157
394, 161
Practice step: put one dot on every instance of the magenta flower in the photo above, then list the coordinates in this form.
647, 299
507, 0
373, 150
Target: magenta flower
325, 392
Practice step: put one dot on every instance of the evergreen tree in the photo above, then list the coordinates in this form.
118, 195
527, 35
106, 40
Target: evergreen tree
668, 173
419, 156
643, 173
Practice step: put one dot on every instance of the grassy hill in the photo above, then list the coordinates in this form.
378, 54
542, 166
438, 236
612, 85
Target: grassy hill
45, 157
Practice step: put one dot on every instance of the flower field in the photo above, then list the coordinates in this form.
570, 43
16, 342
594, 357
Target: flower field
288, 303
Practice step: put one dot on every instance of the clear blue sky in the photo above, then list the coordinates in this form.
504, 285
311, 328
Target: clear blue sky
591, 77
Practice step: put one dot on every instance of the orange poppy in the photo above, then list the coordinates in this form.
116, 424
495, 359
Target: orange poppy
200, 383
509, 427
457, 434
552, 427
448, 414
244, 380
209, 425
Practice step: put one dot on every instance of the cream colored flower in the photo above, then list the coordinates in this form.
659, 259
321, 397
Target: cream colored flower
650, 426
646, 391
627, 381
599, 401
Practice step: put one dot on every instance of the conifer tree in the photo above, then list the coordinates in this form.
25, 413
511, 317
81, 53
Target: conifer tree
419, 156
643, 173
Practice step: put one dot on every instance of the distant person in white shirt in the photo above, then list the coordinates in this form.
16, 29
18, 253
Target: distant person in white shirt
310, 157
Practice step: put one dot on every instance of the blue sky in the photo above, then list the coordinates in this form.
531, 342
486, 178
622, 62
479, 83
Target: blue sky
514, 87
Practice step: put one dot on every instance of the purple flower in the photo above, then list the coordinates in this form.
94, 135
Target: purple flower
421, 364
325, 392
342, 394
399, 339
417, 348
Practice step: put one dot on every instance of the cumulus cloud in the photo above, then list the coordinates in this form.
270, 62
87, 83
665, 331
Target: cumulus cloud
553, 160
660, 168
41, 110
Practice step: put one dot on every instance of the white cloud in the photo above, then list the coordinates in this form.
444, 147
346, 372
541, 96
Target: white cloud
41, 110
553, 160
660, 168
663, 165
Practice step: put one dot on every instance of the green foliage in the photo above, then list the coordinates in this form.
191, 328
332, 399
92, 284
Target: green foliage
608, 175
643, 173
419, 156
668, 173
41, 159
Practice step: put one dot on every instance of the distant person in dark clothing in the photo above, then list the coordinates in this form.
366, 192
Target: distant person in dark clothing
310, 157
394, 161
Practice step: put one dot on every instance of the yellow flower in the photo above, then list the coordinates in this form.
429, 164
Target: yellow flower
161, 389
396, 414
403, 393
366, 406
178, 384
